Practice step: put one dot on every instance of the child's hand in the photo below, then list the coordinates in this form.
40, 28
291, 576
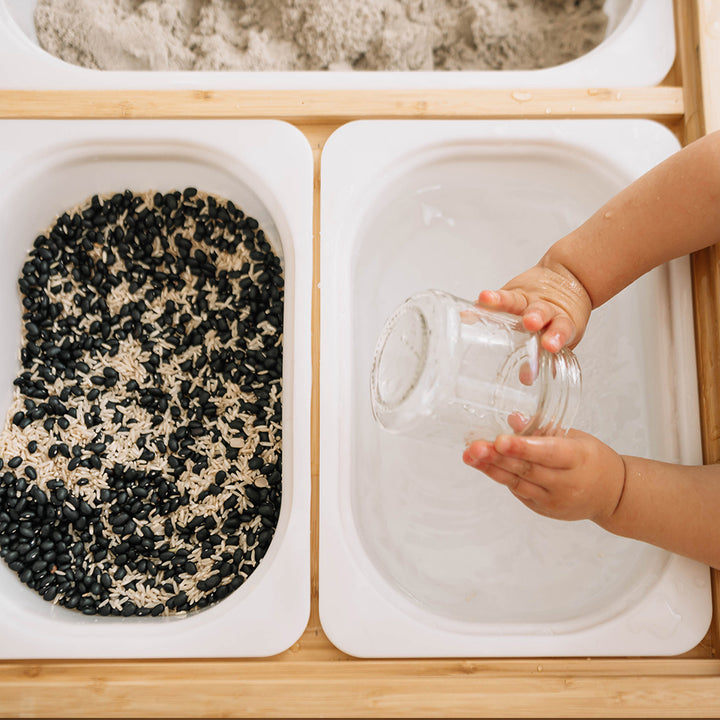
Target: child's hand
568, 478
549, 299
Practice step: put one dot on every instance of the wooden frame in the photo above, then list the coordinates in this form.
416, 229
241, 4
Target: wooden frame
313, 678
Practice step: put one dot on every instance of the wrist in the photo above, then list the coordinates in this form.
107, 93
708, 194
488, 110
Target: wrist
558, 261
610, 518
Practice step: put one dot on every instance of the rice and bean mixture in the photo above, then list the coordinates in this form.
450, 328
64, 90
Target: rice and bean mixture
140, 459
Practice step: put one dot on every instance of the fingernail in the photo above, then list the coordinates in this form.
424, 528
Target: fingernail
553, 343
475, 453
502, 443
532, 321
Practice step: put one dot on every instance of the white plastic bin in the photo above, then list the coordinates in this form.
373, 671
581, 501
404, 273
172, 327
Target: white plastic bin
419, 554
638, 51
265, 167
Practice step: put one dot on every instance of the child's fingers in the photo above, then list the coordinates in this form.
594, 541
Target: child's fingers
504, 300
519, 486
507, 470
482, 456
540, 314
557, 327
517, 421
549, 452
479, 452
559, 332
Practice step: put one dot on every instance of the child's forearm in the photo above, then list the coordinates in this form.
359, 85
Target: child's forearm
672, 506
671, 211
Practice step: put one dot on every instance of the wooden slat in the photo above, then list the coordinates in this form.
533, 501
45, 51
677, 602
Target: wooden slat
360, 689
699, 48
699, 51
316, 135
337, 105
709, 55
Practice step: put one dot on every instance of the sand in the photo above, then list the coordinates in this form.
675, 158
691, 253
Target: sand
319, 34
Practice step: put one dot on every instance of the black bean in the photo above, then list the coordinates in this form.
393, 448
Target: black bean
213, 581
37, 493
38, 565
129, 608
120, 573
236, 582
12, 555
70, 513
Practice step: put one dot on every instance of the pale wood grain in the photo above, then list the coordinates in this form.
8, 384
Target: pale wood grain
217, 688
709, 53
662, 102
699, 52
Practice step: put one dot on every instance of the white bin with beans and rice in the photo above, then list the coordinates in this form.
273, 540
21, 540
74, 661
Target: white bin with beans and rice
637, 49
419, 554
155, 388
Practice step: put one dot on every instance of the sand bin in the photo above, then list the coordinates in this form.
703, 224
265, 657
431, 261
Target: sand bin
319, 34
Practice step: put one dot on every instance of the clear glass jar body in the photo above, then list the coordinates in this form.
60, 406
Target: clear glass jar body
448, 371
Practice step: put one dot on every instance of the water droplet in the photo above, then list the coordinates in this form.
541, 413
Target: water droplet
431, 212
521, 96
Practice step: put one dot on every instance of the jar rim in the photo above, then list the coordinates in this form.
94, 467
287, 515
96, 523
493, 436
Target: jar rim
406, 336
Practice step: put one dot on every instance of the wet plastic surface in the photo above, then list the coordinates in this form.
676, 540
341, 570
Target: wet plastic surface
419, 554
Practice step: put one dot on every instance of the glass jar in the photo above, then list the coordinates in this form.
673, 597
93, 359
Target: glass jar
448, 371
